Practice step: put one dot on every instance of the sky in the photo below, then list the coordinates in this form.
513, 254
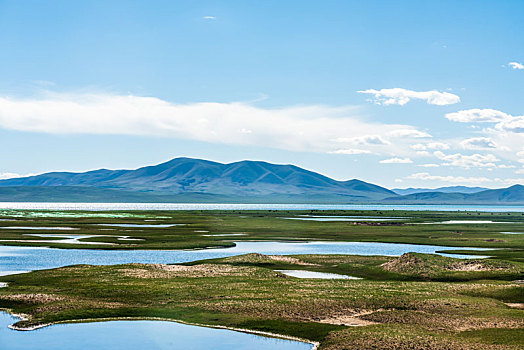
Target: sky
397, 93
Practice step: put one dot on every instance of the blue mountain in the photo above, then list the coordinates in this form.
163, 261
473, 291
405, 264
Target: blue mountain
448, 189
185, 176
197, 180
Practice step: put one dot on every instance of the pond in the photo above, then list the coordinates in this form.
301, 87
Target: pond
135, 335
317, 275
23, 259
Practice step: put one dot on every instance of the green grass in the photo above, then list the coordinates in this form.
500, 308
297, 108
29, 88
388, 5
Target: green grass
414, 301
245, 292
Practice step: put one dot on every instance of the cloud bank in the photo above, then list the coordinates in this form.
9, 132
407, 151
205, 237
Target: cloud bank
314, 128
396, 161
398, 96
478, 143
505, 122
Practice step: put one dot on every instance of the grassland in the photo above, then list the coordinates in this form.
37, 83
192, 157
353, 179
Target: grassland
414, 301
410, 302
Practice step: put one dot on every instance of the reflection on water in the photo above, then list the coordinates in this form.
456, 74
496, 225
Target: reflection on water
135, 335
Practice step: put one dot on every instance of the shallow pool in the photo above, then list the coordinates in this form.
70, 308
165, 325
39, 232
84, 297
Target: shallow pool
135, 335
317, 275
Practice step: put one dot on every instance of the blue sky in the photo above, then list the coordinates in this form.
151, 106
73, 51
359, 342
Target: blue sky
406, 93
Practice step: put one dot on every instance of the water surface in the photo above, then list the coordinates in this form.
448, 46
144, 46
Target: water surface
37, 228
135, 335
223, 206
316, 275
461, 222
142, 225
344, 218
23, 259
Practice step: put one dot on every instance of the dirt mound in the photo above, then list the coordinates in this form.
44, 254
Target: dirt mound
256, 258
406, 263
428, 265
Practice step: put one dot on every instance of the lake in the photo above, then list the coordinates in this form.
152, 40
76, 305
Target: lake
23, 259
135, 335
223, 206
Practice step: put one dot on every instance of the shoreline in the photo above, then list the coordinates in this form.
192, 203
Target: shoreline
24, 317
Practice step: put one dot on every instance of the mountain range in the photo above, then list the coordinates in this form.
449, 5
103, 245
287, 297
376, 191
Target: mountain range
448, 189
196, 180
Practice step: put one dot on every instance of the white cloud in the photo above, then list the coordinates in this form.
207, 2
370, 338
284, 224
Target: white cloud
398, 96
305, 128
449, 178
462, 180
430, 165
209, 17
437, 145
419, 147
478, 143
351, 151
396, 161
467, 161
364, 140
412, 133
505, 122
4, 176
512, 124
477, 116
516, 65
430, 145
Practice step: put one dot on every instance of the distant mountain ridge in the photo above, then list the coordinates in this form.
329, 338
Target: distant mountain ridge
511, 195
448, 189
240, 179
196, 180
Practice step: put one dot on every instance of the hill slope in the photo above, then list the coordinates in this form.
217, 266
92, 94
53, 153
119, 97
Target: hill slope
183, 176
196, 180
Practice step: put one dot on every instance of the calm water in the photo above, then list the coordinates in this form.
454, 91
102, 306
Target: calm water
344, 218
23, 259
142, 225
316, 275
203, 206
116, 335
